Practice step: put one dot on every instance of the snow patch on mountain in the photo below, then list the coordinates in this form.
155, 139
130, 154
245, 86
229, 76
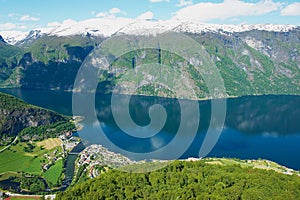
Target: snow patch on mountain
106, 27
149, 27
12, 37
94, 26
20, 37
254, 43
196, 27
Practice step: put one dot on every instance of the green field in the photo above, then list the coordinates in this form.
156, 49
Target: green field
7, 175
53, 174
259, 164
15, 159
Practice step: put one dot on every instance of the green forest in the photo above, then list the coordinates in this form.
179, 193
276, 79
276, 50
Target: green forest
189, 180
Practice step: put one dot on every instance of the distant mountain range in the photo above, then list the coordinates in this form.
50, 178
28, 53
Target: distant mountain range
108, 27
252, 59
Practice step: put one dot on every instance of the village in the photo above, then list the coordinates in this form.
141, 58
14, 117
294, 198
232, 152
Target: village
96, 157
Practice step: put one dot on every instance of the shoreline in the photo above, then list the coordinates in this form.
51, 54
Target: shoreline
142, 95
76, 120
263, 164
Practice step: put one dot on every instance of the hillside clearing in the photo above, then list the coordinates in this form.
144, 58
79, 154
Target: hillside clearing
50, 143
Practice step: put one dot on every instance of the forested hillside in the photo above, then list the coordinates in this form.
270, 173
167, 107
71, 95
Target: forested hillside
189, 180
20, 118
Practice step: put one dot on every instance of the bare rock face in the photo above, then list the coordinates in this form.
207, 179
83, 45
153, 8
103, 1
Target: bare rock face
1, 39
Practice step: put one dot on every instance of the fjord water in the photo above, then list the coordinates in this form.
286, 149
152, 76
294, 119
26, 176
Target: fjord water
255, 127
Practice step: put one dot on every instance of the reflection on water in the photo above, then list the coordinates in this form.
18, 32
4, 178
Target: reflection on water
255, 127
10, 185
274, 115
58, 101
268, 115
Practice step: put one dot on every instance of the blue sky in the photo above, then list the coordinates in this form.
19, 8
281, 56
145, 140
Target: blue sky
29, 14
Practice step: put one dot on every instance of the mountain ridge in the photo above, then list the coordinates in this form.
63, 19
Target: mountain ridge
108, 27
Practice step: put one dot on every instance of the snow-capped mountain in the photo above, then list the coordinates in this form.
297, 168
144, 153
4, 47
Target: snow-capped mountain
20, 37
251, 60
94, 26
148, 27
195, 27
108, 27
32, 36
12, 37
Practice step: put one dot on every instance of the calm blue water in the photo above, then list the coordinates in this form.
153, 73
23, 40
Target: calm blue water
265, 127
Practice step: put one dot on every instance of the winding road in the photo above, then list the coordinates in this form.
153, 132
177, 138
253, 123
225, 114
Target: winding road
9, 144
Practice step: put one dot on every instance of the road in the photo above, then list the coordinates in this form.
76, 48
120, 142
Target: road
9, 144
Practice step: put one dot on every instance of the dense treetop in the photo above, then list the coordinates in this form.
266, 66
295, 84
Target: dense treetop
189, 180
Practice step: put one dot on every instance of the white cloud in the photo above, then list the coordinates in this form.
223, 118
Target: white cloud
53, 24
291, 10
102, 14
207, 11
155, 1
28, 18
111, 13
183, 3
7, 26
12, 14
115, 11
23, 27
146, 15
67, 22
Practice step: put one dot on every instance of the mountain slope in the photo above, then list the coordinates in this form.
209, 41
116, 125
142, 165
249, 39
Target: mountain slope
250, 63
9, 57
50, 62
252, 59
17, 115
